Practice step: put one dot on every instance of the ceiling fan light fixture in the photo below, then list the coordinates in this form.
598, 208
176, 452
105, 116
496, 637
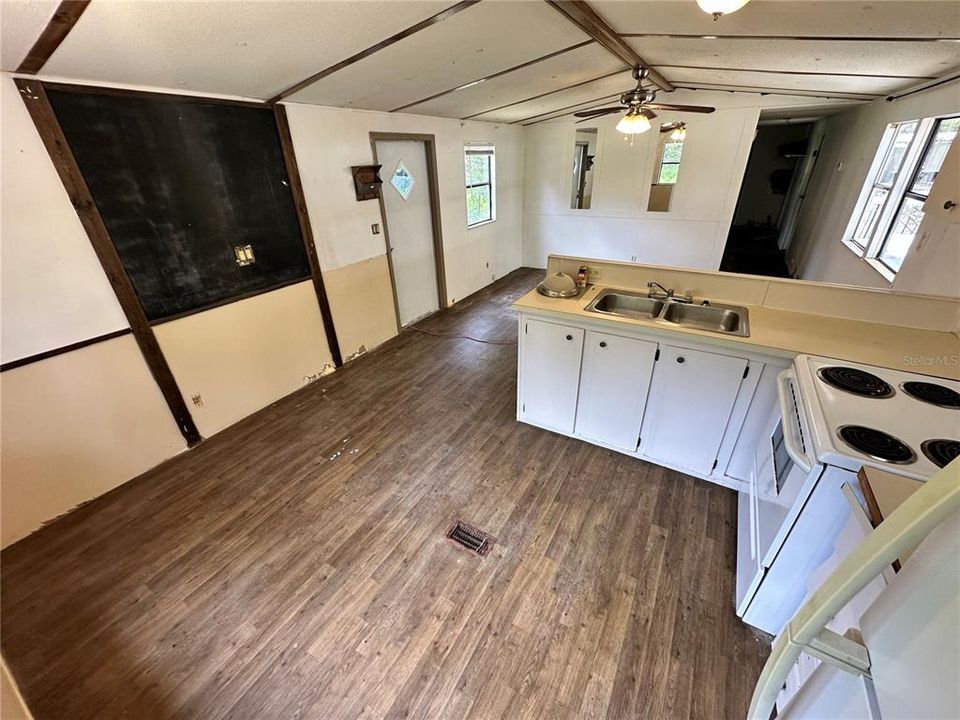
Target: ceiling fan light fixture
679, 133
633, 123
718, 8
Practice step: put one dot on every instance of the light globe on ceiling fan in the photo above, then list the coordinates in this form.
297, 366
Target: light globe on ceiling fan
718, 8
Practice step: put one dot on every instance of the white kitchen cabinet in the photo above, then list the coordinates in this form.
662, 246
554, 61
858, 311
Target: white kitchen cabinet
549, 374
691, 399
613, 389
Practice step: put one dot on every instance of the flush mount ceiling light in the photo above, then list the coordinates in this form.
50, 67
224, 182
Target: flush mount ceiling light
718, 8
634, 122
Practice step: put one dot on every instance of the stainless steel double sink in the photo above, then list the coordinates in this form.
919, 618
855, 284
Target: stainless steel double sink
715, 317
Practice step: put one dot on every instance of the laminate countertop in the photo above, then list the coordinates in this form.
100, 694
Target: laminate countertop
787, 334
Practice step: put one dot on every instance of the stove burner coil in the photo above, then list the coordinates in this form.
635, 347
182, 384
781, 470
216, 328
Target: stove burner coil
857, 382
932, 393
877, 444
941, 451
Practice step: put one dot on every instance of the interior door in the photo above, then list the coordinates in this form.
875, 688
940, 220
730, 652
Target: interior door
613, 388
409, 223
691, 398
549, 374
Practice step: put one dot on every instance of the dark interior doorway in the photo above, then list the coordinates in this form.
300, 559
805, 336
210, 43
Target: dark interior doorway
756, 244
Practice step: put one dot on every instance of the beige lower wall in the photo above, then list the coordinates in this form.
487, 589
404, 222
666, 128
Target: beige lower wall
361, 301
12, 706
73, 427
243, 356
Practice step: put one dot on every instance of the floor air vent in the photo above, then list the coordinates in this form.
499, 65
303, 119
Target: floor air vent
476, 541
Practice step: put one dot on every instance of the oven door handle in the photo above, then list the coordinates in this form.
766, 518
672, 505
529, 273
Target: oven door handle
790, 415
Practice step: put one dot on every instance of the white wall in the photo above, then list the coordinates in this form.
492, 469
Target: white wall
617, 226
54, 292
851, 141
328, 141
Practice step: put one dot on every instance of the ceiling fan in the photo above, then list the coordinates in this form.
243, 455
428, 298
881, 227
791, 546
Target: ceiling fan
639, 104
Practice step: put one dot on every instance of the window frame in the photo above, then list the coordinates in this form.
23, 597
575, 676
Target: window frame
488, 151
909, 193
871, 248
663, 162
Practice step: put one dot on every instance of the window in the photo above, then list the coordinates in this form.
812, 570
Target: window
670, 163
890, 208
480, 173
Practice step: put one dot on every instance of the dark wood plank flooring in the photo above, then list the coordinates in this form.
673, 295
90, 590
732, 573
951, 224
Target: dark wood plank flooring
294, 566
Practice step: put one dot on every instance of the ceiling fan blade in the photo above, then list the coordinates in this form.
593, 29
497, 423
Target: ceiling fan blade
681, 108
596, 112
669, 127
647, 112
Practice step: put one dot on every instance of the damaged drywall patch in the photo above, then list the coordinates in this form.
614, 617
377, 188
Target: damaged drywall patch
360, 351
325, 370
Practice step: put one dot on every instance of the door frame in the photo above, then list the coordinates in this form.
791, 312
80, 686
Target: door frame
430, 147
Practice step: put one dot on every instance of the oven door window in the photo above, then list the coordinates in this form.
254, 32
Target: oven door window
782, 462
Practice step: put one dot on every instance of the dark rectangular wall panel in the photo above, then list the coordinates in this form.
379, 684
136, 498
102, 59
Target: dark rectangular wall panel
181, 182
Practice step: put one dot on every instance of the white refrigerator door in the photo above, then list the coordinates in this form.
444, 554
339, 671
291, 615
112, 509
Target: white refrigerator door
912, 632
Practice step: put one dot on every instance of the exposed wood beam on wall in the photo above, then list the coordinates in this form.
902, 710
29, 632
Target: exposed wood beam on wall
820, 73
495, 75
38, 105
422, 25
46, 354
59, 26
815, 38
306, 231
585, 17
551, 92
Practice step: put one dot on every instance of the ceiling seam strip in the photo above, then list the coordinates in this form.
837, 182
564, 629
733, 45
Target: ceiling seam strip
560, 112
521, 66
551, 92
801, 38
422, 25
714, 87
59, 25
589, 21
797, 72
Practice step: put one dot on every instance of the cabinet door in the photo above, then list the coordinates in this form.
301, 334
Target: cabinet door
691, 398
550, 374
613, 388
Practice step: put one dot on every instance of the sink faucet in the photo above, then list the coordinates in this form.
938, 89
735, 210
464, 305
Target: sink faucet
666, 293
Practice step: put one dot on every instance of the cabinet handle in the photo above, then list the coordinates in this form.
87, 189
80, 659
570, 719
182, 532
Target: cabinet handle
681, 360
603, 343
569, 337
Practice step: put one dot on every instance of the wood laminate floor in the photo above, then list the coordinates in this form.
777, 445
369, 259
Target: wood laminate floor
294, 566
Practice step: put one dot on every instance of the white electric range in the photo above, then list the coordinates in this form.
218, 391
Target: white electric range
834, 417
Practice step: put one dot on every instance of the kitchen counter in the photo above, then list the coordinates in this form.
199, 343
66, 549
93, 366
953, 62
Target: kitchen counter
788, 334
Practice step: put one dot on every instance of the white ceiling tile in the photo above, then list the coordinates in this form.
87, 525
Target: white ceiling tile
825, 84
487, 38
921, 59
233, 47
21, 22
919, 18
559, 72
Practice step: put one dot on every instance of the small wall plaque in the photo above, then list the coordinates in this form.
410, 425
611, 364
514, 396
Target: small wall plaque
366, 181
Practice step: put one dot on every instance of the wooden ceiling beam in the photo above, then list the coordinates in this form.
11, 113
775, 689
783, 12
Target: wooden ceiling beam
587, 19
422, 25
57, 29
790, 92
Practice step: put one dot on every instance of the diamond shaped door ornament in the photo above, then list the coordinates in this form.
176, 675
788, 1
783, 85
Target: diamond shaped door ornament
402, 180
